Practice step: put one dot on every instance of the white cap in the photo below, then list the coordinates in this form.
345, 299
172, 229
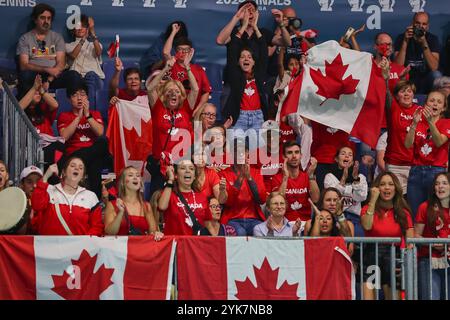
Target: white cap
29, 170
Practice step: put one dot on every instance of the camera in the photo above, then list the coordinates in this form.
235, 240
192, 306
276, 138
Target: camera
418, 32
295, 23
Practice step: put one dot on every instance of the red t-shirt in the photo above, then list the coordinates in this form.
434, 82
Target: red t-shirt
177, 220
394, 77
178, 72
286, 134
46, 125
386, 226
211, 179
442, 228
297, 194
240, 203
425, 151
269, 166
326, 142
83, 136
162, 122
250, 98
398, 126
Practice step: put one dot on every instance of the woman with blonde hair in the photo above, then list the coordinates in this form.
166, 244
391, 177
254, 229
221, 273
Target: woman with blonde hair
171, 110
129, 214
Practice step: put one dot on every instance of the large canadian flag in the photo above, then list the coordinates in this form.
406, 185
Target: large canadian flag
85, 268
340, 88
263, 269
130, 134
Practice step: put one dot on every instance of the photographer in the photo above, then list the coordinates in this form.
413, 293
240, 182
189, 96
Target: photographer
419, 49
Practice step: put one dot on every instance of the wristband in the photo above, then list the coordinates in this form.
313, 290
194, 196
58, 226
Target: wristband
313, 177
369, 213
168, 185
341, 218
425, 48
89, 117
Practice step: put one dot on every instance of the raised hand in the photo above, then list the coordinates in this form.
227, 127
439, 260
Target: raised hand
52, 170
223, 184
91, 26
296, 227
175, 28
170, 173
255, 19
314, 207
188, 58
120, 205
417, 116
37, 82
277, 15
228, 123
312, 166
374, 194
113, 100
118, 65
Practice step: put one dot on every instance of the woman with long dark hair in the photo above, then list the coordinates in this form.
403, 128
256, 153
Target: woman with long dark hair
185, 209
428, 136
386, 215
41, 109
345, 177
433, 221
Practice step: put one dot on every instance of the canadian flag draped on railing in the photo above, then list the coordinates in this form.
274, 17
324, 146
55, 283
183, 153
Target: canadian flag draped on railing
208, 268
129, 133
263, 269
340, 88
85, 268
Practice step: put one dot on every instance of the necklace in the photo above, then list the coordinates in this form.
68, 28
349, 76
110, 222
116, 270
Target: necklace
188, 219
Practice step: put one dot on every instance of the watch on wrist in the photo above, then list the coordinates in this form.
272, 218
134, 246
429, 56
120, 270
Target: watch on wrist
341, 218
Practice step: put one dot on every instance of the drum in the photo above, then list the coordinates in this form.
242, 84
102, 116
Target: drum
13, 206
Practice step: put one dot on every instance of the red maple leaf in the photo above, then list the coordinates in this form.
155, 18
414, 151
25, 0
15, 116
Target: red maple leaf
139, 147
89, 286
332, 85
266, 286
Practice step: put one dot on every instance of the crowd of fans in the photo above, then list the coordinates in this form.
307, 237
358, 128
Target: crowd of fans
317, 182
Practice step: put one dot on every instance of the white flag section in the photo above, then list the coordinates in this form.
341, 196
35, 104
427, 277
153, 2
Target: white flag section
333, 86
252, 259
58, 256
131, 114
130, 133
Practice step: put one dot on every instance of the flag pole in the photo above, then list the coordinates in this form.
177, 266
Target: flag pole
118, 45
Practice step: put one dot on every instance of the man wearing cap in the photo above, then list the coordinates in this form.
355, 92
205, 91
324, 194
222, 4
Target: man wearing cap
29, 178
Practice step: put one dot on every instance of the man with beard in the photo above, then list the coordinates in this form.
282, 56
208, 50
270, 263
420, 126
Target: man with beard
43, 51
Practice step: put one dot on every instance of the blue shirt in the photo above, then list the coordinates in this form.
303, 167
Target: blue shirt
261, 230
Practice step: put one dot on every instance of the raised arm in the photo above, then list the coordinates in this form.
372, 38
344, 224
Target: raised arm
152, 87
164, 199
114, 83
97, 46
367, 219
169, 42
224, 35
409, 140
193, 94
400, 56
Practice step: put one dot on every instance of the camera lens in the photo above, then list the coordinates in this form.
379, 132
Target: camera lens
418, 32
295, 23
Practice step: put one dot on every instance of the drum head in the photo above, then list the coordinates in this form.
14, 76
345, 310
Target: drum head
13, 203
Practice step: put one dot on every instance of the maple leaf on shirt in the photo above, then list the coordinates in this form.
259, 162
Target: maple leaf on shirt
426, 149
331, 84
249, 91
90, 285
266, 286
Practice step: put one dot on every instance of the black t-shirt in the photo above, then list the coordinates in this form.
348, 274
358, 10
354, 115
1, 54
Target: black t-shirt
250, 43
414, 53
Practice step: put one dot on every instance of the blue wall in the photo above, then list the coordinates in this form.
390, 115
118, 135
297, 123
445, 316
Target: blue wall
138, 25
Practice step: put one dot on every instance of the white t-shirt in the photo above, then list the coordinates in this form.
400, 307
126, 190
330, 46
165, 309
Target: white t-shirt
86, 60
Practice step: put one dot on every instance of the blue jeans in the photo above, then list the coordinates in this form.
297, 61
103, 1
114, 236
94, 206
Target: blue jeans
356, 220
419, 185
249, 120
94, 83
244, 227
437, 281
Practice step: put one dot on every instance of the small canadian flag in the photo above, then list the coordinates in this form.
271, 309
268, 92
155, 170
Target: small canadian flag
113, 49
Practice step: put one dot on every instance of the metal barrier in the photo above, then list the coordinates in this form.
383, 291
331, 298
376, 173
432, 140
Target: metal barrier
414, 272
20, 145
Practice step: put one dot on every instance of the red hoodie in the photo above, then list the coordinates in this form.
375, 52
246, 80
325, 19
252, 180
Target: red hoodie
240, 203
81, 214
